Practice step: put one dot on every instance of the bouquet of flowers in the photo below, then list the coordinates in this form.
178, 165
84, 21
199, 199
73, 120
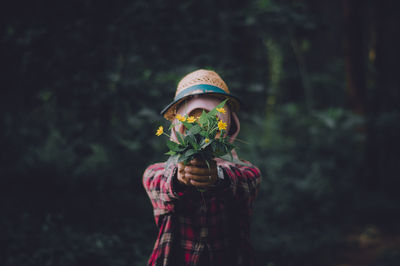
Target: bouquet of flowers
205, 138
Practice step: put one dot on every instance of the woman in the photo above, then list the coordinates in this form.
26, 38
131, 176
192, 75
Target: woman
209, 228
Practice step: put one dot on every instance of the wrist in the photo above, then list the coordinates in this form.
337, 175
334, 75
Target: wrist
177, 185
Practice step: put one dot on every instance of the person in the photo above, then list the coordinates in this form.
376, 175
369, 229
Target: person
209, 226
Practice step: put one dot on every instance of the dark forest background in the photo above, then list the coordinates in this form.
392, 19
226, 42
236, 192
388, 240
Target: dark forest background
82, 84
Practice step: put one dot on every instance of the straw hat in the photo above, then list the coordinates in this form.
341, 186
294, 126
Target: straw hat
200, 82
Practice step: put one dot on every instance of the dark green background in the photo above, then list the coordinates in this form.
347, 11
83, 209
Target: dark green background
82, 84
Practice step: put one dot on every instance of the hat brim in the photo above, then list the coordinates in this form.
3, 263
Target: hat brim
169, 114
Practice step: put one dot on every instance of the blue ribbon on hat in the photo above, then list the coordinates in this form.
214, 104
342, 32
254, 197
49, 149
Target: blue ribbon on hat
205, 88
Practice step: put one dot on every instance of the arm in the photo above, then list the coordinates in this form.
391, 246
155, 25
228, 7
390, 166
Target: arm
244, 184
162, 188
245, 181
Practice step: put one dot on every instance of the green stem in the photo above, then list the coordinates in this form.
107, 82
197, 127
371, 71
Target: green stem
242, 141
208, 165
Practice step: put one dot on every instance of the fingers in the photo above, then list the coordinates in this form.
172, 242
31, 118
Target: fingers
197, 178
198, 163
200, 167
181, 167
182, 178
194, 170
201, 181
196, 175
199, 184
201, 163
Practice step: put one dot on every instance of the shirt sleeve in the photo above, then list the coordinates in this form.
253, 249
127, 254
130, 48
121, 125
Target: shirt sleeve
162, 188
244, 182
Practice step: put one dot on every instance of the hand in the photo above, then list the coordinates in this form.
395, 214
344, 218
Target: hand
196, 173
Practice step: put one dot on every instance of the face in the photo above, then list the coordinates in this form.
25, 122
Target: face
196, 105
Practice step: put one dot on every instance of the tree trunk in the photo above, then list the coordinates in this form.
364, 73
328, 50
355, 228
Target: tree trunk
354, 54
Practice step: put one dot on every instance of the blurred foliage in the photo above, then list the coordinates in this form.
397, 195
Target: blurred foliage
83, 83
308, 182
389, 258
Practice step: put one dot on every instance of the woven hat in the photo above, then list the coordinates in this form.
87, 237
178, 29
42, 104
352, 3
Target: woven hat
196, 83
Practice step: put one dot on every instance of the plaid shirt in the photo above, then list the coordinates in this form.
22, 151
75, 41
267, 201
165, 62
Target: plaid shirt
202, 228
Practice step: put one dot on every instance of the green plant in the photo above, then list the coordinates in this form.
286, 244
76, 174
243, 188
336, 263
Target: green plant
205, 138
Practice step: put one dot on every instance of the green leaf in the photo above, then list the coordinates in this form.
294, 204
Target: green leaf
213, 146
180, 138
191, 139
173, 146
187, 156
204, 134
214, 111
203, 118
190, 152
187, 125
195, 130
170, 153
220, 149
180, 158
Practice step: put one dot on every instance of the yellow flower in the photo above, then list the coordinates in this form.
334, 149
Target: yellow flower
180, 118
221, 125
191, 119
207, 140
160, 130
221, 110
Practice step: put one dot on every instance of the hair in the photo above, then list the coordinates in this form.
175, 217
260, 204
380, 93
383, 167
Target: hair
233, 128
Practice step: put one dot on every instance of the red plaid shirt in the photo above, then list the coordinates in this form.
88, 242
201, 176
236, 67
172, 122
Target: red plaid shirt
209, 228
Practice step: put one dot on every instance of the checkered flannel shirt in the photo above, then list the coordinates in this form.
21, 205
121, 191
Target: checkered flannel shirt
203, 228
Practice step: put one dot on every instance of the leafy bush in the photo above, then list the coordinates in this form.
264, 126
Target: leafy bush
306, 194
